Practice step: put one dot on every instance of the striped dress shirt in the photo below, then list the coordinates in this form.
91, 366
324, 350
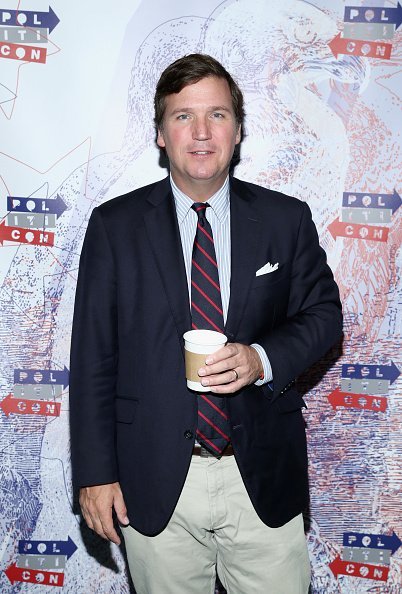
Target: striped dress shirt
218, 216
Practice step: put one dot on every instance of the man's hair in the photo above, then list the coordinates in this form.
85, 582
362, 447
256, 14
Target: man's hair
190, 70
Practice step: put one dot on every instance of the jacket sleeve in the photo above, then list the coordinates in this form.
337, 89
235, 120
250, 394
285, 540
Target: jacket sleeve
93, 362
313, 321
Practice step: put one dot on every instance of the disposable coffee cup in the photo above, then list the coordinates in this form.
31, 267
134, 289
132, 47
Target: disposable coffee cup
197, 345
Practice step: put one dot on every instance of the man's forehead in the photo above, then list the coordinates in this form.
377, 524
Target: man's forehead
207, 88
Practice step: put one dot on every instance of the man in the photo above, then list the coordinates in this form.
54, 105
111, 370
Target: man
142, 443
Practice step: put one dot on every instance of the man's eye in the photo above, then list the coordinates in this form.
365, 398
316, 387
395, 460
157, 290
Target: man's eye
217, 115
183, 116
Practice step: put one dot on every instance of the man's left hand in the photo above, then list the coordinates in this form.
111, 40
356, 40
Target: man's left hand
231, 368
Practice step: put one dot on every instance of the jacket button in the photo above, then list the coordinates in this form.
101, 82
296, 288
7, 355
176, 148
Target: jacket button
188, 434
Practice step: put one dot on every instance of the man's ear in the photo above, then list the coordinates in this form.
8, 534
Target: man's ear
238, 134
160, 140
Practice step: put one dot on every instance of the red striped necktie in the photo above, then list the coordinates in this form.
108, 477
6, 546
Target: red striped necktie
207, 314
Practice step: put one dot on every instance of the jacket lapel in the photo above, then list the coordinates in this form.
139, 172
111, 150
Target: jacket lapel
245, 235
164, 235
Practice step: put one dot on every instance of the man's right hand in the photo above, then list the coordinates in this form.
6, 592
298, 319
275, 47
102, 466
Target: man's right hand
97, 503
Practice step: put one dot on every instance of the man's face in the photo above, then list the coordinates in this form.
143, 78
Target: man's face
199, 134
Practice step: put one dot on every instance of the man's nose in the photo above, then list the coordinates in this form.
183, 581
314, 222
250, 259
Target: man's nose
201, 129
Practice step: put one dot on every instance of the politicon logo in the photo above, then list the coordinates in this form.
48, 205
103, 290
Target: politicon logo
21, 28
41, 562
366, 556
29, 220
362, 214
363, 27
364, 386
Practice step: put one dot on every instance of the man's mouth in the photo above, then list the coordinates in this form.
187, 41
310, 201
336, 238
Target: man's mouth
201, 152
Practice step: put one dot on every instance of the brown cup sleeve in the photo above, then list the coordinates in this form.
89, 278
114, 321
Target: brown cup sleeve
193, 362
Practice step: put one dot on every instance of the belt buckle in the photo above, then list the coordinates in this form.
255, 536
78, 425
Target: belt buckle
204, 453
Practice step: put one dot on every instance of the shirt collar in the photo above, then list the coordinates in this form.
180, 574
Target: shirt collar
219, 202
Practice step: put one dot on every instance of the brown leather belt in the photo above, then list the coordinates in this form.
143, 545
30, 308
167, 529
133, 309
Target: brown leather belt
199, 450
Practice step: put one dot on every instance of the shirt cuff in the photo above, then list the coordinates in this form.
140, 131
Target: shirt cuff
265, 364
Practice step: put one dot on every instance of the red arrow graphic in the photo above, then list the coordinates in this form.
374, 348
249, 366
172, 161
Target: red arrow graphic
45, 578
23, 406
361, 401
360, 47
21, 235
368, 232
361, 570
23, 53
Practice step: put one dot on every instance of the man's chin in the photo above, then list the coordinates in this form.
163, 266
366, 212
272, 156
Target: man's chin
207, 176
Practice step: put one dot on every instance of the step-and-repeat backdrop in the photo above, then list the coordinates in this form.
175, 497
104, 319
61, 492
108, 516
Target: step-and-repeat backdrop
321, 80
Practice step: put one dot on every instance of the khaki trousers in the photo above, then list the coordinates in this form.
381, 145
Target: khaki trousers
215, 528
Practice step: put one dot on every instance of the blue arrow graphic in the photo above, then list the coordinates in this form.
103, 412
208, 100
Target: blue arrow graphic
35, 205
379, 372
365, 199
29, 18
373, 14
47, 547
42, 376
372, 541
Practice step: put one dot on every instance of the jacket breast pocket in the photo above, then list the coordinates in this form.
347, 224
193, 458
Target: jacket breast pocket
125, 409
270, 279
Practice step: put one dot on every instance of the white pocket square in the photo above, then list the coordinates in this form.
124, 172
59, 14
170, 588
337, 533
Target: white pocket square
267, 268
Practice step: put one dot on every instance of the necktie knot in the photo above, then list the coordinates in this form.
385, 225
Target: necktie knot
200, 208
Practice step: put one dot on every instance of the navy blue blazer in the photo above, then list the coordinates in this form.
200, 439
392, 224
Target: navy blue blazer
132, 418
